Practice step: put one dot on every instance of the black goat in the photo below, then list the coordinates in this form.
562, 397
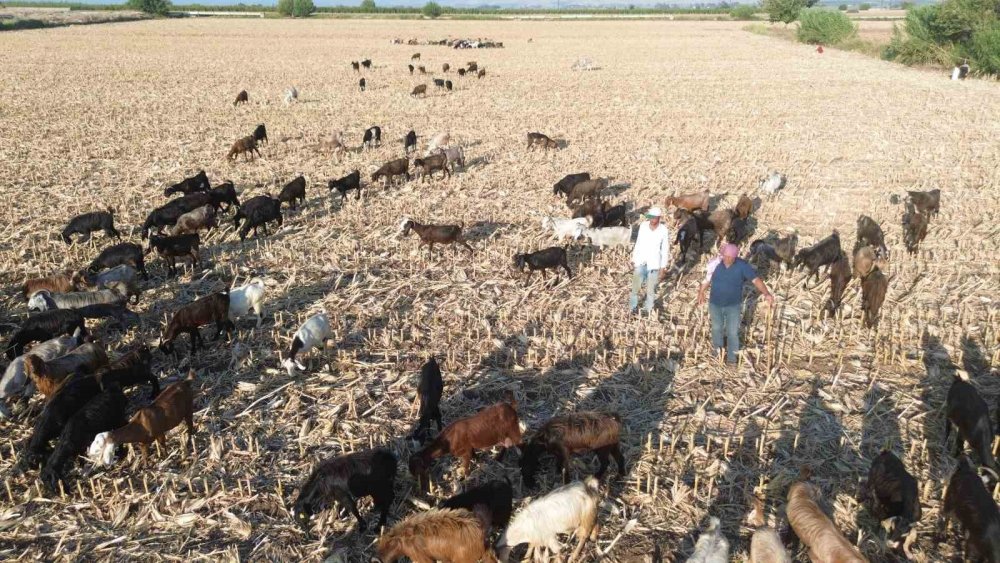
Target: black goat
68, 399
823, 253
196, 183
122, 253
130, 370
367, 63
616, 216
89, 222
892, 493
411, 68
260, 133
294, 190
968, 500
495, 497
103, 413
545, 259
45, 326
258, 212
346, 478
739, 230
173, 247
356, 66
373, 137
870, 233
362, 83
966, 411
343, 185
429, 390
410, 143
223, 193
914, 228
439, 83
686, 233
926, 202
448, 85
840, 275
167, 215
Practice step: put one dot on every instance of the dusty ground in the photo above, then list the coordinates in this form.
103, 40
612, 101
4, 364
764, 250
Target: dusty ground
107, 116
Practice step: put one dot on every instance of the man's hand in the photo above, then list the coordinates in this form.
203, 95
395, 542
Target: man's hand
662, 274
701, 295
770, 299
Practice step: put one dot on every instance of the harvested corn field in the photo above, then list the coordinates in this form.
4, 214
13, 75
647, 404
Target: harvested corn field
98, 117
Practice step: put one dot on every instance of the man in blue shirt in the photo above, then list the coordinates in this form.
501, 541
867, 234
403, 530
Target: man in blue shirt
726, 275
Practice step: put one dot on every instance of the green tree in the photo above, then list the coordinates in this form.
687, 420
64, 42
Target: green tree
743, 12
865, 6
296, 8
432, 10
367, 5
157, 7
842, 7
785, 11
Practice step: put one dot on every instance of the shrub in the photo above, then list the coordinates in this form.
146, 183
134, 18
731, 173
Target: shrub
907, 5
367, 5
296, 8
157, 7
984, 49
864, 7
785, 11
842, 7
743, 12
828, 27
432, 10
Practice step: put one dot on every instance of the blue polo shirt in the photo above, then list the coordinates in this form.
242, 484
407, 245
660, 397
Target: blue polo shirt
727, 283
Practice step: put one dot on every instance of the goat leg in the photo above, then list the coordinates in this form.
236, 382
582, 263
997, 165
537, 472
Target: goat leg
603, 459
616, 452
562, 463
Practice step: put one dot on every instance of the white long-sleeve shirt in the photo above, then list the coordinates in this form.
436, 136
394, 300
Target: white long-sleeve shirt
652, 247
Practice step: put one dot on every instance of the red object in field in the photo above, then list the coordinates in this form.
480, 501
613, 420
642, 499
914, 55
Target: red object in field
819, 49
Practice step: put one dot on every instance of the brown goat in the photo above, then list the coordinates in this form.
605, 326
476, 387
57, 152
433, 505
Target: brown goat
241, 98
744, 207
56, 283
825, 542
391, 169
208, 309
864, 261
722, 220
538, 139
151, 423
588, 189
49, 376
202, 218
690, 201
246, 146
873, 288
431, 234
430, 164
579, 432
840, 275
496, 424
419, 89
452, 535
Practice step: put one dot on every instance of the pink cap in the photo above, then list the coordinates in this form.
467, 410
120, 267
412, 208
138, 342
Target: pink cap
730, 250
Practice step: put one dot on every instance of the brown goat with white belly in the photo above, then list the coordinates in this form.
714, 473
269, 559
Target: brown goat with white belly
825, 542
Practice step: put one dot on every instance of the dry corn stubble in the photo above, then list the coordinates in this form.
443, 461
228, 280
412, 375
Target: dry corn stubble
110, 115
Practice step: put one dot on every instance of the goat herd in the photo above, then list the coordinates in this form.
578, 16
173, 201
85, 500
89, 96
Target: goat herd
84, 409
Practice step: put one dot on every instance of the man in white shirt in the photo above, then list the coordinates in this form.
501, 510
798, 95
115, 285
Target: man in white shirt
650, 257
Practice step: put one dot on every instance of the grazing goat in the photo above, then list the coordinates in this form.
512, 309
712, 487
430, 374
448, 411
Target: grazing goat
56, 413
823, 253
968, 500
356, 66
744, 207
455, 155
926, 202
241, 98
712, 545
739, 229
873, 289
419, 90
196, 183
367, 63
551, 258
541, 140
785, 248
562, 228
335, 144
90, 222
312, 334
422, 69
455, 536
291, 95
569, 509
293, 191
431, 234
373, 137
773, 183
482, 73
100, 414
44, 326
410, 142
472, 66
563, 187
429, 389
438, 82
690, 202
825, 542
431, 164
411, 67
246, 297
495, 425
686, 232
343, 185
257, 213
891, 492
208, 309
345, 479
609, 216
864, 261
151, 423
438, 141
15, 382
63, 283
49, 376
461, 72
203, 218
445, 67
109, 311
170, 248
722, 221
914, 229
247, 146
260, 133
116, 293
870, 233
130, 370
415, 57
362, 84
391, 169
587, 189
122, 274
223, 193
495, 499
563, 436
765, 544
840, 275
589, 208
168, 214
448, 85
609, 236
966, 411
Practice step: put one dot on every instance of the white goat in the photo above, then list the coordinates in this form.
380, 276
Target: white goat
121, 273
246, 297
312, 334
438, 141
765, 545
570, 508
609, 236
291, 95
772, 183
562, 228
15, 381
712, 546
44, 300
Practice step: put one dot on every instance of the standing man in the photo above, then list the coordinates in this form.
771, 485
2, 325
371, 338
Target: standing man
726, 275
650, 257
